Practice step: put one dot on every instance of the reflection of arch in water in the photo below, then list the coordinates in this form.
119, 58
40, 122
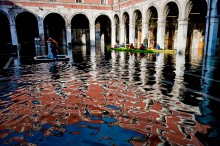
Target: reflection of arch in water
27, 30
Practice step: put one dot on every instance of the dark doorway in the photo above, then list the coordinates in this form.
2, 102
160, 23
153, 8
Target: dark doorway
171, 25
117, 28
103, 30
5, 35
138, 28
152, 34
196, 27
27, 30
126, 23
54, 26
80, 30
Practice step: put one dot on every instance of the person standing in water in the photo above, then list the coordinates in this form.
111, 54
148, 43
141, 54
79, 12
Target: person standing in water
54, 48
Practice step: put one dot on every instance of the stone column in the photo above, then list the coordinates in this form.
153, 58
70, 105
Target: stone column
92, 34
122, 34
145, 30
113, 35
131, 33
42, 38
14, 36
182, 35
211, 34
68, 40
212, 23
68, 35
161, 33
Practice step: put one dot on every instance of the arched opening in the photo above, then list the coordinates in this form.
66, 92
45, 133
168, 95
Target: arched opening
27, 30
171, 25
152, 16
196, 27
54, 26
138, 28
5, 35
125, 22
103, 31
80, 30
117, 28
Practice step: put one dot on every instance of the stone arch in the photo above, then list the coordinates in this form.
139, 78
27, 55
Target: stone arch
101, 14
148, 11
6, 14
171, 11
165, 8
5, 34
135, 15
137, 21
151, 19
125, 27
80, 29
196, 25
125, 17
85, 14
117, 27
103, 30
55, 27
27, 31
51, 12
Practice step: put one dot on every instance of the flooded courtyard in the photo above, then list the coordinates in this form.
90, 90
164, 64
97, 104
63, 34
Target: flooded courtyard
105, 97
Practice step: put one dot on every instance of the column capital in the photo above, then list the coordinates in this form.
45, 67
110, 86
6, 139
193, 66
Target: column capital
183, 21
68, 26
12, 24
92, 26
161, 23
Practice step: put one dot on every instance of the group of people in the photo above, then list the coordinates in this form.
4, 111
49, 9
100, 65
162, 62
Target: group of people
142, 47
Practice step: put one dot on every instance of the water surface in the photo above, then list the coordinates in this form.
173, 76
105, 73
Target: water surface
104, 97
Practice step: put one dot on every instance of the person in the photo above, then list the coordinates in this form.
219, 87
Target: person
123, 45
54, 48
116, 45
145, 42
142, 47
131, 46
157, 46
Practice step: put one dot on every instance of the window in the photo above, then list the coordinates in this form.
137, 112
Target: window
104, 2
78, 1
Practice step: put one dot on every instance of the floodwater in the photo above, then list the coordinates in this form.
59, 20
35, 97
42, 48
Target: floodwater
103, 97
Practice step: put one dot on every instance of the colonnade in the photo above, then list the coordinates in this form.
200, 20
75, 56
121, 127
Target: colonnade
182, 17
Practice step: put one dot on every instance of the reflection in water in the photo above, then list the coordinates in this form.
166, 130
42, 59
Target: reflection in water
208, 107
104, 97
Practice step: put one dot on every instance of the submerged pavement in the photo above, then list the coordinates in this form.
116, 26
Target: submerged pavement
103, 97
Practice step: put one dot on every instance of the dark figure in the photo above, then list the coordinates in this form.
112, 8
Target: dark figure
145, 42
142, 47
54, 47
157, 46
131, 46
